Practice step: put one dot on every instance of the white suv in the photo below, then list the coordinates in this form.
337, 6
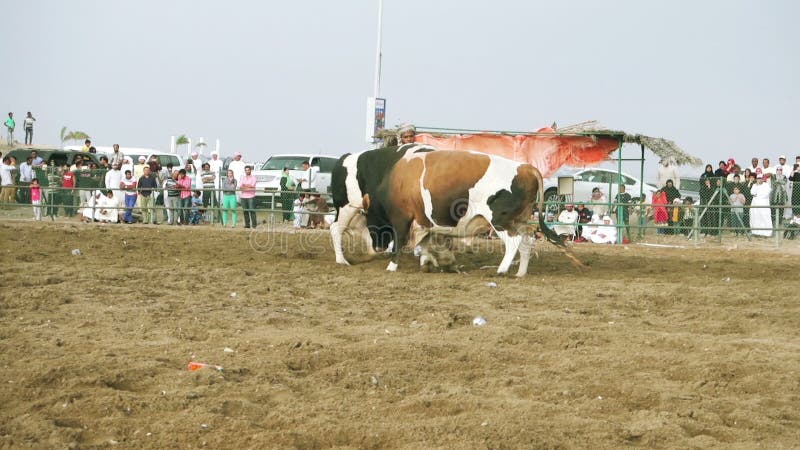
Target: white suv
268, 176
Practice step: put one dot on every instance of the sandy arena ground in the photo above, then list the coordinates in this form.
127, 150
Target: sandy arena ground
650, 347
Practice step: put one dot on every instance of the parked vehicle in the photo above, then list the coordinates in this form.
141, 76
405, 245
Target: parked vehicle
268, 177
587, 179
52, 157
690, 186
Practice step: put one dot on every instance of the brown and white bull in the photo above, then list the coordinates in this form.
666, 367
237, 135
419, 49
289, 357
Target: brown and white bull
461, 194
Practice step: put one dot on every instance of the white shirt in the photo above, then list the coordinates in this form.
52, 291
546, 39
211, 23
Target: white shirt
311, 175
113, 178
566, 216
238, 169
216, 166
25, 172
6, 178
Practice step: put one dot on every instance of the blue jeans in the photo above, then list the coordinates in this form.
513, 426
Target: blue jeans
130, 202
185, 208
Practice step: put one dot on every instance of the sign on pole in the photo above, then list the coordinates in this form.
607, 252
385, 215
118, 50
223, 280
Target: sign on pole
376, 118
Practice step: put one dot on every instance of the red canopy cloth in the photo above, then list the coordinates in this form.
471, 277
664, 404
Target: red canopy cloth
546, 150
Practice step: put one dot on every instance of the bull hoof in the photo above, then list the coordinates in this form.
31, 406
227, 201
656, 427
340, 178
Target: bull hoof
425, 268
342, 261
392, 267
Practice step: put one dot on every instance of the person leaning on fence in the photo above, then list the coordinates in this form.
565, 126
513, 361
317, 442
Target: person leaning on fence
247, 186
7, 189
795, 179
228, 186
147, 185
36, 199
737, 202
622, 205
172, 197
208, 178
779, 196
66, 199
184, 184
25, 178
128, 186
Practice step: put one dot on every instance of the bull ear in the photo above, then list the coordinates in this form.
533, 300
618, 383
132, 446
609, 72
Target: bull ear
365, 201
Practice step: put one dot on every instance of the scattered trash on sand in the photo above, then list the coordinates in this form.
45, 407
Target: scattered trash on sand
198, 365
479, 321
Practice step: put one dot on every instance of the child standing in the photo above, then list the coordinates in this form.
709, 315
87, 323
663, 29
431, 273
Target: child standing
36, 198
737, 211
298, 211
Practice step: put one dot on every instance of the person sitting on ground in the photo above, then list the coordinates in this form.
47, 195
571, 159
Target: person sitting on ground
567, 216
687, 216
317, 205
584, 216
606, 233
793, 227
90, 211
107, 210
196, 215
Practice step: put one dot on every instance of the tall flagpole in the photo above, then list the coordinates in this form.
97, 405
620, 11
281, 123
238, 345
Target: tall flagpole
377, 87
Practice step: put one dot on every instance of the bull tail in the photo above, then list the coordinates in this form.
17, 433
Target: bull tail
548, 233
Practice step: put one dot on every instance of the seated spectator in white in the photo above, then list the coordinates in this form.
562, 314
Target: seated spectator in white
567, 216
90, 210
590, 228
107, 209
605, 233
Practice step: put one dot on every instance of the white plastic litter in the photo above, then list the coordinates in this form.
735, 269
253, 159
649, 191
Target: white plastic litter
478, 321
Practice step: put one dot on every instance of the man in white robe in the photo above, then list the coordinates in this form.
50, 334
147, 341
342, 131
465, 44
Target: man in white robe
107, 209
605, 233
567, 216
760, 217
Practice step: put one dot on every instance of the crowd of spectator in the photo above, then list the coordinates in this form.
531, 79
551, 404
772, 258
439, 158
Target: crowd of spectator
118, 191
754, 201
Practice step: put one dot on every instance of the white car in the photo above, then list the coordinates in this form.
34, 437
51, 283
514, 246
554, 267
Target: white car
587, 179
268, 176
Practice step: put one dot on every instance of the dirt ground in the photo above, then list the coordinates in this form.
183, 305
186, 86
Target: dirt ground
649, 347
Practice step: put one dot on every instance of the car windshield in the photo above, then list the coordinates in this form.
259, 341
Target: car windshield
279, 162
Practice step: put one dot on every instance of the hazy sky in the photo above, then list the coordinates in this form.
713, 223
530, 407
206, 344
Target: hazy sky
720, 78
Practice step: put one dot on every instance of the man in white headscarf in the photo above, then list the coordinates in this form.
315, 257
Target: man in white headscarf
567, 216
605, 233
668, 170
